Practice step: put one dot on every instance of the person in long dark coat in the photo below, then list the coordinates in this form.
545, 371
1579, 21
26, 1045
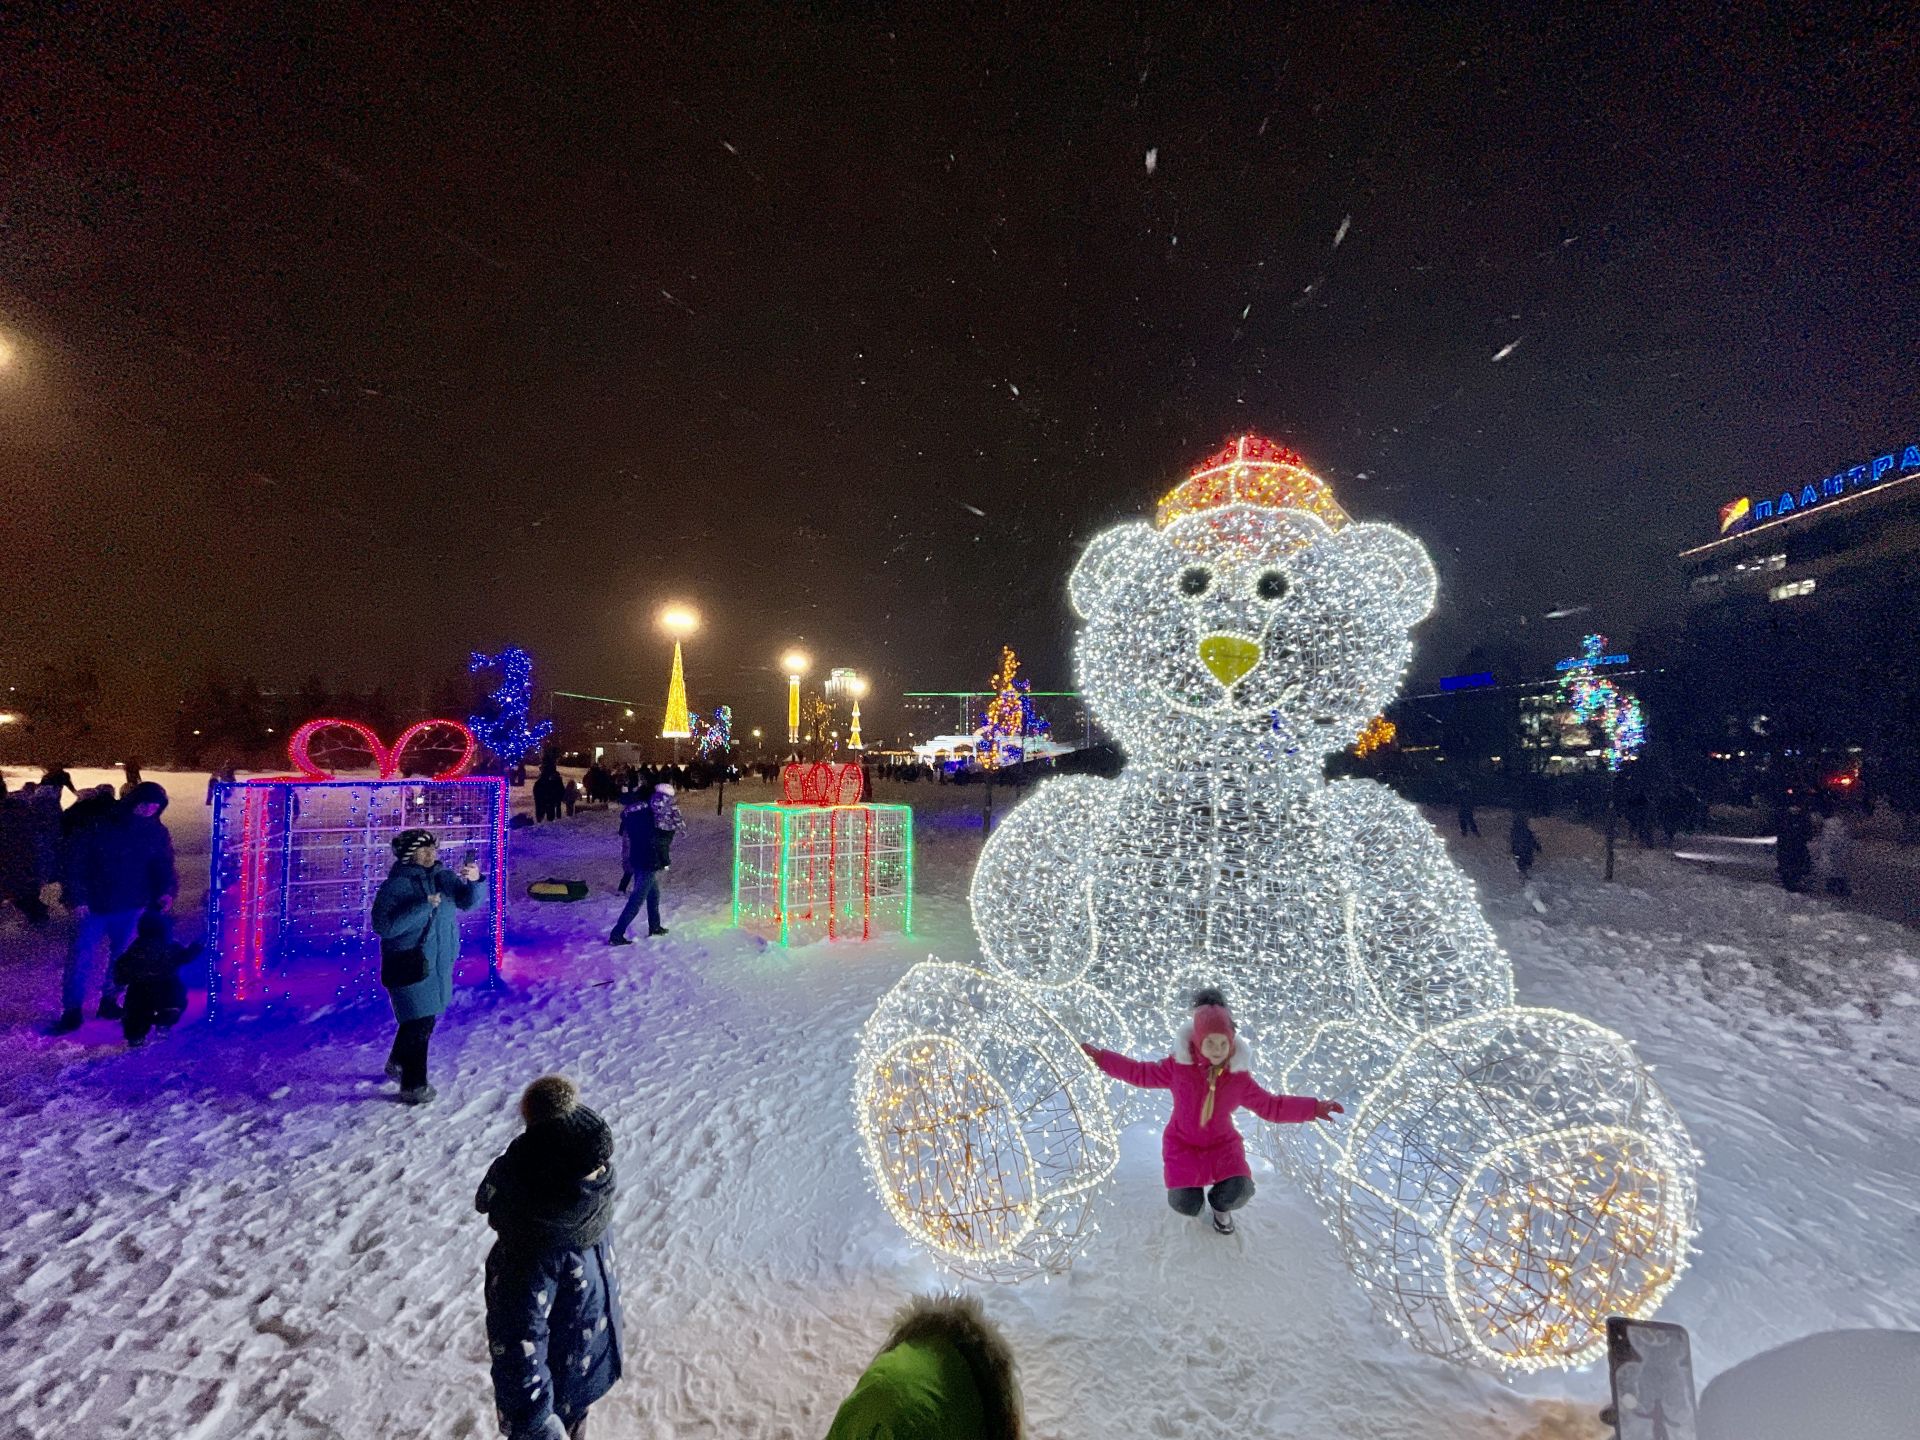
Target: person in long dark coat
23, 868
553, 1300
419, 943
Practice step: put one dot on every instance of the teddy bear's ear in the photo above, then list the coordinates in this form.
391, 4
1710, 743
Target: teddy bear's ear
1103, 562
1395, 566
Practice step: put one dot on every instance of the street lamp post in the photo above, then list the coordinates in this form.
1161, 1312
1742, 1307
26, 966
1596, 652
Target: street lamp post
795, 663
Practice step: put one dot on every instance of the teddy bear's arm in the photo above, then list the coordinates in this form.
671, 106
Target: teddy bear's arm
1030, 892
1419, 936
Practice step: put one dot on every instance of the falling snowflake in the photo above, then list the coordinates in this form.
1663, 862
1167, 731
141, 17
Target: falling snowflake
1341, 233
1153, 159
1505, 350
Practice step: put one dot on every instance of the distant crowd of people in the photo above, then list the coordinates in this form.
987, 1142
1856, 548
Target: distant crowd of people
1813, 844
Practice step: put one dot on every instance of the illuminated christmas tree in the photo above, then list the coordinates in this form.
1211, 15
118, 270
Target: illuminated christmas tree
675, 726
1595, 700
504, 722
713, 735
1011, 719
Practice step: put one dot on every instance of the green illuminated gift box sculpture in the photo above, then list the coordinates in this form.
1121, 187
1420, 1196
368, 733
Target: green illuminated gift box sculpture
823, 863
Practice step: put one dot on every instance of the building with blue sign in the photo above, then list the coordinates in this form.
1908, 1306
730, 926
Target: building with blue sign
1802, 619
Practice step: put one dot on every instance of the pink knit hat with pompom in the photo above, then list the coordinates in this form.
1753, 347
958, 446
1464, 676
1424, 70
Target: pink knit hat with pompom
1210, 1020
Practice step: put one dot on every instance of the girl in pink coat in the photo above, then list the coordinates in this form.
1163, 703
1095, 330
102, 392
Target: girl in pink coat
1208, 1073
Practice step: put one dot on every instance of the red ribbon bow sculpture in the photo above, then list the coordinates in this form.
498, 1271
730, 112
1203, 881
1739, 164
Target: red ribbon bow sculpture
319, 748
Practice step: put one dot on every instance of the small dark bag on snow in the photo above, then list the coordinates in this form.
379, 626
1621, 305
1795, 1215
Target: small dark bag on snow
401, 968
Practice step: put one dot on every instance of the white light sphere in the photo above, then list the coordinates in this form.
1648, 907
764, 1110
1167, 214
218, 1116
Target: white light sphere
985, 1129
1514, 1179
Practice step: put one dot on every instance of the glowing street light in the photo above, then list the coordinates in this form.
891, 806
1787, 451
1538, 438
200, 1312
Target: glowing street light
6, 352
794, 662
678, 621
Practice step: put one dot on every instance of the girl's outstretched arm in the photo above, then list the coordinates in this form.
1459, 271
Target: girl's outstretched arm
1286, 1109
1147, 1074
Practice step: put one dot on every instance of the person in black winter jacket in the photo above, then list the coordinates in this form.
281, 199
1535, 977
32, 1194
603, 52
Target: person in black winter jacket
114, 870
549, 790
553, 1302
1522, 842
149, 969
1793, 849
92, 806
646, 842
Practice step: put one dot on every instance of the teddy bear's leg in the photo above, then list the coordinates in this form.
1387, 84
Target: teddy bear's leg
986, 1132
1513, 1180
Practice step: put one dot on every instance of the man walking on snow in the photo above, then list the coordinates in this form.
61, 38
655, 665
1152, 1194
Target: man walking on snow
648, 832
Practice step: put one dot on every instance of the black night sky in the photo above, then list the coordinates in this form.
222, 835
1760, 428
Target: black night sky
351, 344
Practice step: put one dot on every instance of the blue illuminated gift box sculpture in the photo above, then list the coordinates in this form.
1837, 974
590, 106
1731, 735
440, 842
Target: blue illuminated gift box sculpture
297, 859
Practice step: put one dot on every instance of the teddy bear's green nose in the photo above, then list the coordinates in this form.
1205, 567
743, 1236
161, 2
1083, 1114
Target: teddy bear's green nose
1228, 656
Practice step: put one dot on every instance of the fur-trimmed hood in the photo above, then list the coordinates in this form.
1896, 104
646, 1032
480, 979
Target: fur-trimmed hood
960, 1321
1240, 1059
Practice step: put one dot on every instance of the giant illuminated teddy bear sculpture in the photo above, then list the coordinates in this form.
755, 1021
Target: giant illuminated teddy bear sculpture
1503, 1179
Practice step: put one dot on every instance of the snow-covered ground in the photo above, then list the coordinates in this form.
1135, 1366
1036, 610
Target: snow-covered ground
236, 1232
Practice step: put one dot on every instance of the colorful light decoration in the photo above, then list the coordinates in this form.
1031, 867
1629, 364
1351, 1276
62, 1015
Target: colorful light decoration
321, 747
822, 864
297, 859
856, 687
1510, 1254
713, 735
1504, 1178
1010, 718
1377, 735
1595, 700
504, 726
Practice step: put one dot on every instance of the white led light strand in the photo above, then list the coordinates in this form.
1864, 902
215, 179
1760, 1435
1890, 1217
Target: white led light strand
1505, 1178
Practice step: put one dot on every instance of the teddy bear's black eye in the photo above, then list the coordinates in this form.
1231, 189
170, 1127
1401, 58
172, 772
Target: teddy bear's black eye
1271, 585
1195, 580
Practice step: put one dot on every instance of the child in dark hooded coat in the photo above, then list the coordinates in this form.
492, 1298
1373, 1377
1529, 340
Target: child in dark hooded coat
149, 969
553, 1304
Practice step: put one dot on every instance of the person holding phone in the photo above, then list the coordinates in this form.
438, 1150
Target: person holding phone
419, 944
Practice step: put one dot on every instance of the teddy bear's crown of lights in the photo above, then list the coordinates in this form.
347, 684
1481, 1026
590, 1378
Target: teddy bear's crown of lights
1251, 470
